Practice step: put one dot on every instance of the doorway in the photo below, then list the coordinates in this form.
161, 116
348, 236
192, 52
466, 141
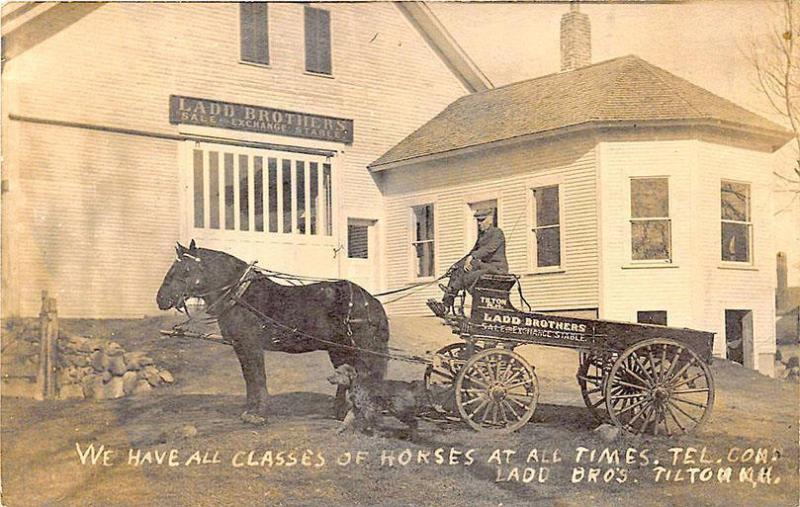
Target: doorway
739, 336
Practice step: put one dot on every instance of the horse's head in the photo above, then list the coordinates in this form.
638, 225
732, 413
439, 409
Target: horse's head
196, 272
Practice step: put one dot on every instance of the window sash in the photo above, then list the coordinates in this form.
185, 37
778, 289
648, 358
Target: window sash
317, 40
547, 252
254, 32
650, 231
423, 243
736, 222
657, 249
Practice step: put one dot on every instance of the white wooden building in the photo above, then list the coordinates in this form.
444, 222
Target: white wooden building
248, 127
625, 193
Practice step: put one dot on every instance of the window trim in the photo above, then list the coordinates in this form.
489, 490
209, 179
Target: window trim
643, 263
531, 255
242, 61
750, 263
306, 70
412, 261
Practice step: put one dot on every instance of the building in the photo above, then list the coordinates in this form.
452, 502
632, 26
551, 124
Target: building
625, 193
248, 127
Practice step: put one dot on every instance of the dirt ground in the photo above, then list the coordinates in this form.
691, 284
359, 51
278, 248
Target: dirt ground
297, 459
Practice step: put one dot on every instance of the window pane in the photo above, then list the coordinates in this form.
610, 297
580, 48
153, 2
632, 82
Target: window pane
424, 253
244, 193
650, 239
318, 40
314, 197
735, 242
423, 220
658, 317
213, 184
357, 241
735, 201
548, 247
286, 175
272, 187
546, 205
230, 219
198, 189
254, 33
258, 190
300, 186
327, 188
649, 197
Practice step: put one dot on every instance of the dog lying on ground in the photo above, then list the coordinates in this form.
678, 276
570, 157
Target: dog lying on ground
369, 398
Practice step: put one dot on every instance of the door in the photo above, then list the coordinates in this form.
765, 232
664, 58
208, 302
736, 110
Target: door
739, 336
360, 260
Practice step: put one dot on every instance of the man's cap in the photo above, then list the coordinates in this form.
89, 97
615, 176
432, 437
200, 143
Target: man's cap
483, 213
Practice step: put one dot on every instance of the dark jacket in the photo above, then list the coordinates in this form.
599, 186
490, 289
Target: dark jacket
490, 250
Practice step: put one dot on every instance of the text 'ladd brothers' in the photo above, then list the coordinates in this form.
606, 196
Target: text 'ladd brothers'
212, 113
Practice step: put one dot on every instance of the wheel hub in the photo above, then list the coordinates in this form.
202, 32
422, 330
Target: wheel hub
497, 392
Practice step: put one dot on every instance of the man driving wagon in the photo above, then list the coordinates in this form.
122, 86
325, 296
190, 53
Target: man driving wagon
487, 256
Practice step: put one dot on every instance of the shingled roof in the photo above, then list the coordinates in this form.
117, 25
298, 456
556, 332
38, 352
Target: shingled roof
618, 91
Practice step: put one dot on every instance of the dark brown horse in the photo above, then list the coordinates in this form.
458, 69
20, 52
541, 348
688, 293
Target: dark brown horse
256, 314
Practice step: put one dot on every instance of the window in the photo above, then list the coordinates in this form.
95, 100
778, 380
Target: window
736, 222
651, 234
658, 317
253, 32
546, 230
318, 40
357, 241
423, 243
243, 189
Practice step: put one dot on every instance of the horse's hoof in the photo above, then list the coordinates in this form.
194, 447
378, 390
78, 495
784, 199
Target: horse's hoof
255, 419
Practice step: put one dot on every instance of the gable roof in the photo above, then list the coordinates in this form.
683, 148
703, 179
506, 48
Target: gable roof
612, 93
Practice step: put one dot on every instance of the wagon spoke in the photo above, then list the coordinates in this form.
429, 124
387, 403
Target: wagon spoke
643, 369
508, 405
473, 400
503, 413
661, 364
482, 374
632, 386
473, 380
693, 403
679, 409
443, 375
639, 414
525, 383
598, 402
672, 363
687, 381
680, 372
514, 376
591, 378
651, 410
621, 396
629, 371
629, 407
480, 407
672, 414
595, 390
691, 391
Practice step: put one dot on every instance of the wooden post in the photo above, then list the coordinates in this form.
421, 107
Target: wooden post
48, 334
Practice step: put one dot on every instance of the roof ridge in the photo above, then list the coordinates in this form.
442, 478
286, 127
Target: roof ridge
647, 66
537, 78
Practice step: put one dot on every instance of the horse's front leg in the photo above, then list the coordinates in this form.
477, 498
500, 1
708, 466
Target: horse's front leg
251, 359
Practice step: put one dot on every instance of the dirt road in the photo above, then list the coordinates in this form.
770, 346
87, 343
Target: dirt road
153, 456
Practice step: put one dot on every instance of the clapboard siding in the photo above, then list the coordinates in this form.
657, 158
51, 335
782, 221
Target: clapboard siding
505, 174
117, 67
693, 288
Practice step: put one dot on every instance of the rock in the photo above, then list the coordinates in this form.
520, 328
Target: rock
116, 365
188, 431
137, 360
113, 349
151, 374
114, 389
607, 432
83, 371
792, 362
129, 380
92, 385
142, 386
70, 392
99, 360
77, 342
106, 376
96, 344
77, 359
166, 376
793, 373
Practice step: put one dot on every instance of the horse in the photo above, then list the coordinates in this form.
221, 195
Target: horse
256, 314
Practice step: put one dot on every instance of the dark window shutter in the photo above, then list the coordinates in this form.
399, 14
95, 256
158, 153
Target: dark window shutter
254, 34
318, 40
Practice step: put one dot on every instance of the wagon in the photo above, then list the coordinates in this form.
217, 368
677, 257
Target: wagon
641, 378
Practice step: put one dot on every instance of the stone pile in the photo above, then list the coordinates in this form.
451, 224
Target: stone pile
99, 369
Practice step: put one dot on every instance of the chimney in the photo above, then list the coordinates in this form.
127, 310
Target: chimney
576, 39
783, 274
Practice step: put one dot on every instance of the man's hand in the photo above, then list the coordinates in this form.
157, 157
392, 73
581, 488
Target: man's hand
468, 263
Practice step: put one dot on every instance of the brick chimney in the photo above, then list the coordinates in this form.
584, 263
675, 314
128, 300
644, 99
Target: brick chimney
576, 39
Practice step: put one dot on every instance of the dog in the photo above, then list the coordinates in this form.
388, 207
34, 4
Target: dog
368, 398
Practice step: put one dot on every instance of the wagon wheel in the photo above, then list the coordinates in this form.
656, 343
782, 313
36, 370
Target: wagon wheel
497, 390
592, 374
440, 379
660, 385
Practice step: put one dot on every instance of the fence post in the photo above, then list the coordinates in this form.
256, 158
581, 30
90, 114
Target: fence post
48, 334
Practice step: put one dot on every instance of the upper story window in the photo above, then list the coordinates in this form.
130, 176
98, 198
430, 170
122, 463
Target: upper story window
423, 240
253, 32
651, 232
546, 227
318, 40
737, 225
658, 317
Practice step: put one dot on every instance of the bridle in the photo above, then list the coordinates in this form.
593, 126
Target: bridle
225, 289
